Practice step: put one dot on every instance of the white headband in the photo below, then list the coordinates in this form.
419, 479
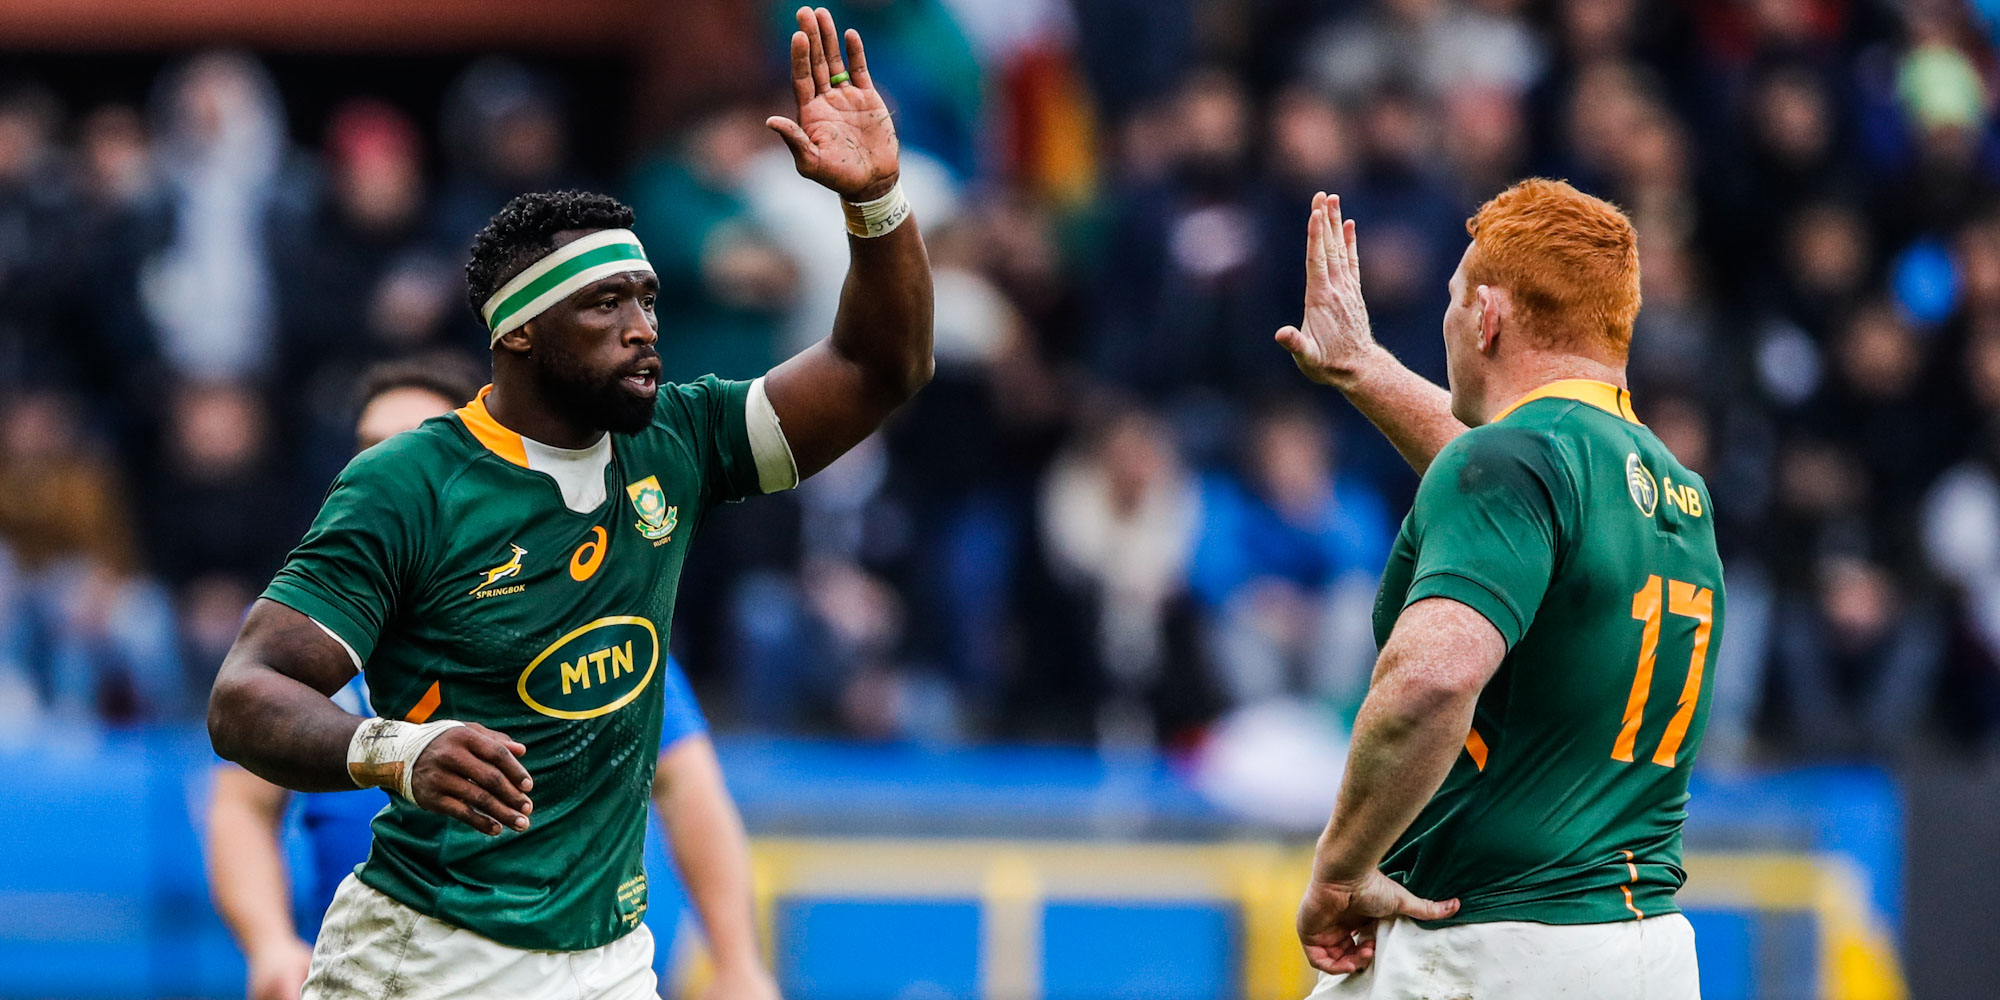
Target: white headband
558, 275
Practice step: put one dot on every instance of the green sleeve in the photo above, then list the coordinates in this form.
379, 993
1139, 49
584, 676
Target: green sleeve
1486, 525
359, 558
709, 414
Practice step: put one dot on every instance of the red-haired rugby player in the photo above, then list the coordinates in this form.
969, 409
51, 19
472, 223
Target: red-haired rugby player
1510, 821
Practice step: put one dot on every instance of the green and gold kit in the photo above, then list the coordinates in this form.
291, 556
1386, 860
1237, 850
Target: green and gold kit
473, 592
1570, 526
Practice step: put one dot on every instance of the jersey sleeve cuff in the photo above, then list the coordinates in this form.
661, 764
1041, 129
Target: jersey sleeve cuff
1473, 594
358, 638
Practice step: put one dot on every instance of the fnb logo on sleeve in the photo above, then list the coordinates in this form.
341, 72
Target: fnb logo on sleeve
596, 669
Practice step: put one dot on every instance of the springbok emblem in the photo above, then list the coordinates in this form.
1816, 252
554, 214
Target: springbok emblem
511, 567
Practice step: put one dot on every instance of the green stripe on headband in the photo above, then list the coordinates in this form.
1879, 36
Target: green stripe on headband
560, 274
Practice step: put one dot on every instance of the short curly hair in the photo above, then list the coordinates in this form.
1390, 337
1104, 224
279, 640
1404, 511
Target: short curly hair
524, 231
1569, 261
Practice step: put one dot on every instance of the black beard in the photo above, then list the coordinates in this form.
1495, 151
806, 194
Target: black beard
587, 399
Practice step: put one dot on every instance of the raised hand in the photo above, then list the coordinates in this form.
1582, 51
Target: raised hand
474, 775
1334, 339
843, 138
1337, 919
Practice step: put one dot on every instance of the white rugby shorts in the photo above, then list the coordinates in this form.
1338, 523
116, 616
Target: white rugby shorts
373, 948
1650, 959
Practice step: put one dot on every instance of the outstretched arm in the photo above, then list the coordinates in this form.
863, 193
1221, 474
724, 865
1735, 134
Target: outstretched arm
1335, 346
838, 391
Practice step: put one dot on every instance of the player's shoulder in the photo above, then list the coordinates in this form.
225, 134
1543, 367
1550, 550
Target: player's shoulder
688, 410
1508, 444
682, 401
1499, 459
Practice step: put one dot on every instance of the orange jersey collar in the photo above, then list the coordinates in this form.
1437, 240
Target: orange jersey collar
1603, 395
497, 439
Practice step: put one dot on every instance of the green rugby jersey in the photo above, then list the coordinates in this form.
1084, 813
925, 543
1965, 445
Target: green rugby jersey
1571, 527
472, 592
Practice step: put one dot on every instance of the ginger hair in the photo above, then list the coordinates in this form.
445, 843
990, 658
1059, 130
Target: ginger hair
1569, 263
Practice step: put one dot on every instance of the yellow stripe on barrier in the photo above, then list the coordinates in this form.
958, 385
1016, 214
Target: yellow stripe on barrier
1262, 880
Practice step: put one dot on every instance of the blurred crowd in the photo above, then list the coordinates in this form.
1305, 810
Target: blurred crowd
1118, 515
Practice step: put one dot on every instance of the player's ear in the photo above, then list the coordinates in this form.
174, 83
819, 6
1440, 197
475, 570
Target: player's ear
1493, 309
517, 341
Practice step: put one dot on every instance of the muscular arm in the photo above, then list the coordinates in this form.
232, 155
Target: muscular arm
1410, 410
1335, 346
838, 391
272, 709
711, 852
1409, 732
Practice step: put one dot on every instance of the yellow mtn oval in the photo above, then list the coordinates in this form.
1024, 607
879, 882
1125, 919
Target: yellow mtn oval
596, 669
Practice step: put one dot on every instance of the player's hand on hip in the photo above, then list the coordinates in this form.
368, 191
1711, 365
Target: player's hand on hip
278, 970
474, 775
1337, 919
1333, 342
843, 138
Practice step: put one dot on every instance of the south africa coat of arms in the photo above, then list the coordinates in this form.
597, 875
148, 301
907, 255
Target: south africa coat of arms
656, 520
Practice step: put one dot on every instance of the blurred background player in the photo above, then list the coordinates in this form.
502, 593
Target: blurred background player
1502, 757
471, 887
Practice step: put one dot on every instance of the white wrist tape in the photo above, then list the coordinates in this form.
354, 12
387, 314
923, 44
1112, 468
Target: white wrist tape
869, 219
384, 752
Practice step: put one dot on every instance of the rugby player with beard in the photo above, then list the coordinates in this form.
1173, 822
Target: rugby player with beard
505, 577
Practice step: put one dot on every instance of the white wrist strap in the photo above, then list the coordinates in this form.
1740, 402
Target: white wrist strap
384, 752
869, 219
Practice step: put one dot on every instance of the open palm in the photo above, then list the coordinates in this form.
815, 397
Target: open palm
1334, 336
844, 138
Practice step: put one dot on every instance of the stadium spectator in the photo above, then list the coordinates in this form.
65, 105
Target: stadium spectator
1183, 278
807, 230
1120, 520
982, 429
118, 220
1442, 47
1114, 188
367, 217
30, 201
504, 129
230, 169
1961, 533
219, 464
1858, 662
1286, 566
727, 282
99, 634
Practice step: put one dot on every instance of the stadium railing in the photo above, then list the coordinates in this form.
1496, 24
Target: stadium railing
1005, 873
